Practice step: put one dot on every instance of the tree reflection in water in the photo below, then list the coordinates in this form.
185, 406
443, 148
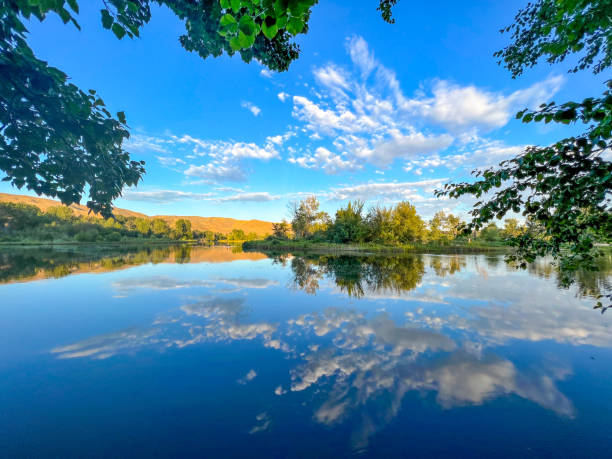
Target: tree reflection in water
357, 276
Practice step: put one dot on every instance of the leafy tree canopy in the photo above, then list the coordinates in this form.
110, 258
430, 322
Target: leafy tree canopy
562, 189
554, 29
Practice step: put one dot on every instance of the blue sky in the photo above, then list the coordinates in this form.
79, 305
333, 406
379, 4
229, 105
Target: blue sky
370, 110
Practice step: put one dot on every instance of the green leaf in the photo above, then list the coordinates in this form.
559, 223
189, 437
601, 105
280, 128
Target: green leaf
235, 43
269, 31
107, 19
74, 5
121, 117
227, 19
246, 41
247, 26
236, 5
225, 4
295, 26
118, 31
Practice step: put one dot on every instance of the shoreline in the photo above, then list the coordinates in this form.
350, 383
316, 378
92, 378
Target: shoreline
327, 247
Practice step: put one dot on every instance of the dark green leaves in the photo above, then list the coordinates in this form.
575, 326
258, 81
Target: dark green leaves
262, 21
563, 190
554, 29
56, 139
107, 19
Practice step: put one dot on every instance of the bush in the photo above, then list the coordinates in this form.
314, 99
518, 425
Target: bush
113, 237
90, 235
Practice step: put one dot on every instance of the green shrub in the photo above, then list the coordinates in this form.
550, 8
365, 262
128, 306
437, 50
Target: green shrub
90, 235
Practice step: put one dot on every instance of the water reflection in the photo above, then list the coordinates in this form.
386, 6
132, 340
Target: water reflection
34, 263
361, 276
362, 364
358, 276
354, 341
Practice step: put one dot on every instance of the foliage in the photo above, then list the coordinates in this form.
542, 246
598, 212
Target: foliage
281, 230
54, 138
380, 225
408, 226
25, 223
491, 233
62, 212
160, 227
385, 7
557, 28
306, 218
562, 189
182, 229
349, 224
397, 225
237, 235
444, 228
512, 228
357, 276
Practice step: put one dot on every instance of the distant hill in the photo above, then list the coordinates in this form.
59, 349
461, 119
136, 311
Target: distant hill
216, 224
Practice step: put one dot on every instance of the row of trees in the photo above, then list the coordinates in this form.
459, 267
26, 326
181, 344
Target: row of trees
19, 222
399, 224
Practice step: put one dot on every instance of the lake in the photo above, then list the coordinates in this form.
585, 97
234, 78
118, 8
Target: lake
196, 351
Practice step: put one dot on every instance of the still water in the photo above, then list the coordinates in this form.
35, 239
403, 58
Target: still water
196, 351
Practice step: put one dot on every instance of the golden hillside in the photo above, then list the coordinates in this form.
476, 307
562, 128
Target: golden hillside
43, 204
216, 224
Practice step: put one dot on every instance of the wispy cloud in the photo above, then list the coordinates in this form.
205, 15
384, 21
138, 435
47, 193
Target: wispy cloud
386, 190
163, 196
254, 109
367, 117
324, 159
215, 172
249, 197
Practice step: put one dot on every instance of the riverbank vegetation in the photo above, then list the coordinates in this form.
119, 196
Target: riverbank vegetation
381, 229
26, 224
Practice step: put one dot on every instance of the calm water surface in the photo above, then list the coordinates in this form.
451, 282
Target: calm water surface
210, 351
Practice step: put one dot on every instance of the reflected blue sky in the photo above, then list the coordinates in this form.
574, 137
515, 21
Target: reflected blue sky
427, 354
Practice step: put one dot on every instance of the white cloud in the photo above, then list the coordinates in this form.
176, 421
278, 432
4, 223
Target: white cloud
146, 144
250, 376
324, 159
170, 161
402, 146
481, 156
254, 109
280, 391
361, 55
219, 149
215, 172
163, 196
461, 108
384, 190
226, 158
332, 77
250, 197
283, 96
368, 118
266, 73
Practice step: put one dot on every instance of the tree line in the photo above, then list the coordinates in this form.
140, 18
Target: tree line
23, 222
399, 224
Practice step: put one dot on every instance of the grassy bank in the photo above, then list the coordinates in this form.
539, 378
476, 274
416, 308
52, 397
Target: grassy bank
329, 247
